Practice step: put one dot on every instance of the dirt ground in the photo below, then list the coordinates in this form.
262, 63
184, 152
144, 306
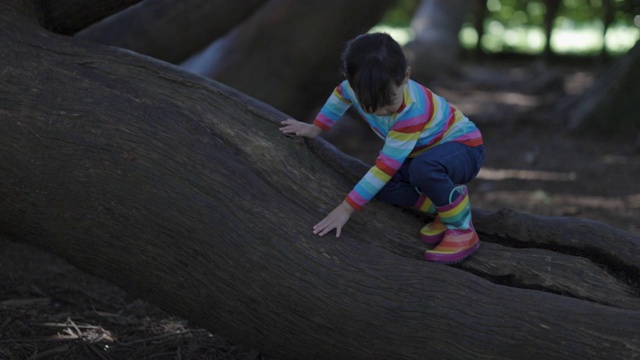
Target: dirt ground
50, 310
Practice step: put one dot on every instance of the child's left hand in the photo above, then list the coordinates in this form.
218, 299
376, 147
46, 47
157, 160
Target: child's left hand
335, 220
298, 128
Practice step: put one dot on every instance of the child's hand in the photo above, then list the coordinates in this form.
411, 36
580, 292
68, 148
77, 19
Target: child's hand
298, 128
335, 220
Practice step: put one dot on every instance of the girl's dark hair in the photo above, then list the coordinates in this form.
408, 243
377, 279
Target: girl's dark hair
371, 63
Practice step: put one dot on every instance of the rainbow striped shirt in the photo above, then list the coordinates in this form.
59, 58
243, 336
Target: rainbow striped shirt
424, 121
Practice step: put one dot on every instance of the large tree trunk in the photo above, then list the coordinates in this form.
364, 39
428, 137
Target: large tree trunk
436, 47
182, 191
170, 30
610, 106
287, 53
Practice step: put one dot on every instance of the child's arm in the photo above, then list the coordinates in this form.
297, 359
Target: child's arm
341, 214
298, 128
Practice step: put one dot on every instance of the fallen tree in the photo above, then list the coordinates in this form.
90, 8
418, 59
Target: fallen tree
182, 191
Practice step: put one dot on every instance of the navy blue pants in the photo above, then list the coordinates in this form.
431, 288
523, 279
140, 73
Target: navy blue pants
434, 173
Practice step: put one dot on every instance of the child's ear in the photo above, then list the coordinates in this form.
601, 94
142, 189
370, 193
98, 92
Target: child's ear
407, 74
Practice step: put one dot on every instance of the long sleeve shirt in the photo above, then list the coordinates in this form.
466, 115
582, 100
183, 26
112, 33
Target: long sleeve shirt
423, 121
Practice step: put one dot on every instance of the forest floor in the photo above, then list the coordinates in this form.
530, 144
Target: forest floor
51, 310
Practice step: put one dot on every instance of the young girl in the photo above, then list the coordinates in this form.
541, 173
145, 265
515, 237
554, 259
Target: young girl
430, 148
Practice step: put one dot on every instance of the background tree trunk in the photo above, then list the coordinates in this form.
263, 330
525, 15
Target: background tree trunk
611, 106
169, 30
262, 56
182, 191
436, 46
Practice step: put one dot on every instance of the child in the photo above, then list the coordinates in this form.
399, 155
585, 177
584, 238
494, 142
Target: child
430, 148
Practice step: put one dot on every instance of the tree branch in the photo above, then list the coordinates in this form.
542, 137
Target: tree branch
169, 30
70, 16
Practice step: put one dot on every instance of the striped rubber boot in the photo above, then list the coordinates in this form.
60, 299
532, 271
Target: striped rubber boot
460, 239
433, 232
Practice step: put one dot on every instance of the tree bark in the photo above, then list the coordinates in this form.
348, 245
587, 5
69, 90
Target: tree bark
287, 53
169, 30
610, 106
183, 192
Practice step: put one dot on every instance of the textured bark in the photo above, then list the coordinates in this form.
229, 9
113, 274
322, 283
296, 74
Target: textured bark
287, 53
182, 191
170, 30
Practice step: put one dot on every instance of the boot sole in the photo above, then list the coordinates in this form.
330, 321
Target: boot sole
453, 258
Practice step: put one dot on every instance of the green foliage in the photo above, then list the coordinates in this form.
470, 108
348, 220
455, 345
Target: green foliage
518, 25
578, 27
401, 14
524, 12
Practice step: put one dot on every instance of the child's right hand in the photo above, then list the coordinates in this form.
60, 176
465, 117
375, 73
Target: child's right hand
298, 128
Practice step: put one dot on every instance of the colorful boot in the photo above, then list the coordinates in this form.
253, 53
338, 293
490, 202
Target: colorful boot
433, 232
460, 239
